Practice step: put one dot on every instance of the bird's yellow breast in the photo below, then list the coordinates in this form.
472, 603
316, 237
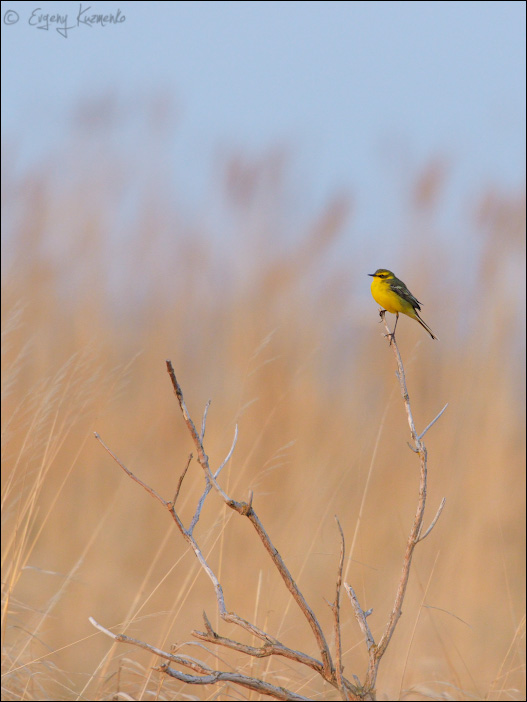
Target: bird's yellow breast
387, 298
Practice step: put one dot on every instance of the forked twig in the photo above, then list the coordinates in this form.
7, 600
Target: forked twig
205, 674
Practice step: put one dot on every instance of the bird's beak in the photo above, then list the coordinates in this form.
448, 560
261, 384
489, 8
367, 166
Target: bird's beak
372, 275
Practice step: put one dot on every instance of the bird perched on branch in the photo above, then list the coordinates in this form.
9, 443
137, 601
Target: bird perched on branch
393, 296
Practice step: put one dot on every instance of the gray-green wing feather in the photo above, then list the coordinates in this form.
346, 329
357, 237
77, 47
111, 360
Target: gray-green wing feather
400, 288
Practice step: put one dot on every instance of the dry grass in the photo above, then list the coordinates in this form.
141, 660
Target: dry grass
281, 335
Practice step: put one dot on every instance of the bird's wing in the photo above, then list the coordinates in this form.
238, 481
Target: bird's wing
400, 288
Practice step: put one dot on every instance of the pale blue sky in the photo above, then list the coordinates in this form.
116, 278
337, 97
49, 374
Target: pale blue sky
363, 93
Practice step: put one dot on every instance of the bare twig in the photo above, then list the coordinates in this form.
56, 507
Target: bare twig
199, 507
130, 474
336, 615
181, 478
402, 379
361, 615
193, 663
434, 520
231, 450
204, 420
432, 422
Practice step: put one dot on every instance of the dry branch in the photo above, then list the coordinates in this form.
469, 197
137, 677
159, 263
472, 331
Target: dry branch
333, 674
207, 675
255, 684
248, 511
376, 652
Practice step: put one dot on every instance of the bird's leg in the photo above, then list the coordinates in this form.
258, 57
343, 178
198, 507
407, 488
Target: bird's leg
392, 335
396, 320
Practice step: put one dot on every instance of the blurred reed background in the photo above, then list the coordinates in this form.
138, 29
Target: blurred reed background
106, 273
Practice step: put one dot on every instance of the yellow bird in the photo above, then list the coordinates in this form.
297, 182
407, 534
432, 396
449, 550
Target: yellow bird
393, 296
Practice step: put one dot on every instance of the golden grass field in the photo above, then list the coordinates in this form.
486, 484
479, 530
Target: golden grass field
103, 281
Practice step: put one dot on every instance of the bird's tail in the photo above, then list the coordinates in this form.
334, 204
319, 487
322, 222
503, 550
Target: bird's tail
425, 325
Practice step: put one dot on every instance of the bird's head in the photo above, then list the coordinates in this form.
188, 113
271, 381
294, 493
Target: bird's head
382, 273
